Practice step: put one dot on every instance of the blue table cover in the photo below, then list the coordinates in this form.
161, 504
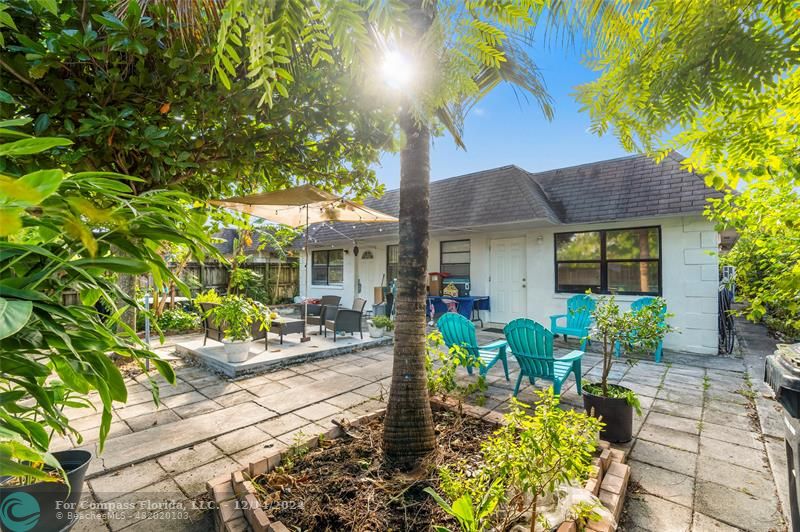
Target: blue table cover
465, 304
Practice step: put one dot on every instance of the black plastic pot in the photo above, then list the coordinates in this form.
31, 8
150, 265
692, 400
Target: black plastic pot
616, 413
46, 506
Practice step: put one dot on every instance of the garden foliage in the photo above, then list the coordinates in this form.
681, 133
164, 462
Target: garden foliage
134, 91
58, 230
719, 81
523, 465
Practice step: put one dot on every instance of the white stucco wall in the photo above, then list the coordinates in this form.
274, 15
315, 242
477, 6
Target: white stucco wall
689, 274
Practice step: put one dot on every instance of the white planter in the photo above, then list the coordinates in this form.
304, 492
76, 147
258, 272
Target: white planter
236, 351
375, 332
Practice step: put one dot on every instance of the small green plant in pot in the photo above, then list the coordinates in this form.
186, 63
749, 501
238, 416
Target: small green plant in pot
379, 325
237, 315
612, 326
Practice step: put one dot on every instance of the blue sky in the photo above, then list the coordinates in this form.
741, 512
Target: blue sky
501, 130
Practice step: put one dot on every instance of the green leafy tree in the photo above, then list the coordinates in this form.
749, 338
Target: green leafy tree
645, 327
720, 80
134, 92
57, 233
766, 215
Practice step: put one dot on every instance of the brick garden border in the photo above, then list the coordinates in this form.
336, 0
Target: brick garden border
238, 509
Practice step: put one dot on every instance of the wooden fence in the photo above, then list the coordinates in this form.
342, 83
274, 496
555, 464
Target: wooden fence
281, 281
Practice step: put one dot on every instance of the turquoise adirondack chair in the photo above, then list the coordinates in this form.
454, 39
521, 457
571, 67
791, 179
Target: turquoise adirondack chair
635, 307
458, 330
532, 346
578, 319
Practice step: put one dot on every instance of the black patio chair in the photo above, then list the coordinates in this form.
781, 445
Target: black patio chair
346, 319
211, 328
318, 313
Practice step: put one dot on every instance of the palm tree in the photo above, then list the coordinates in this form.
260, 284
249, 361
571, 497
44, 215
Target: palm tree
460, 52
408, 425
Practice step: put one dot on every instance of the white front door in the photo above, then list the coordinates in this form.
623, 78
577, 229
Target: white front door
369, 275
507, 282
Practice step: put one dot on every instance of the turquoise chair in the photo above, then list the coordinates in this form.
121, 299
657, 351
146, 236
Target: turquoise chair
532, 346
458, 330
636, 306
578, 319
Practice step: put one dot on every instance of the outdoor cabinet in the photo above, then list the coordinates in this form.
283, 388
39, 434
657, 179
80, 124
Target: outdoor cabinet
435, 283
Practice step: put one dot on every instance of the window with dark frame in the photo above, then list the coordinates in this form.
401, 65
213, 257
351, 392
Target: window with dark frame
620, 261
455, 259
392, 261
327, 267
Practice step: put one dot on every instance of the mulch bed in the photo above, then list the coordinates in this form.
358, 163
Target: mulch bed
344, 485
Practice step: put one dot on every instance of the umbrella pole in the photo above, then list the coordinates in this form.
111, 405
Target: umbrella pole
305, 337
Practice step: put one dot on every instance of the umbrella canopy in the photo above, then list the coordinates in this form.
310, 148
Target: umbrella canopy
301, 206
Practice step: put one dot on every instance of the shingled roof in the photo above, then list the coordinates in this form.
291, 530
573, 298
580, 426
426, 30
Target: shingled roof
616, 189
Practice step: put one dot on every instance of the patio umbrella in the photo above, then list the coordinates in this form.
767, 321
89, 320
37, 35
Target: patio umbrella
301, 207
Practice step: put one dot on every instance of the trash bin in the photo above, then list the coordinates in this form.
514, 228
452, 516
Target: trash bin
782, 373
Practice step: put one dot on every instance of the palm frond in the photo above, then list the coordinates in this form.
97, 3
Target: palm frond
452, 118
519, 70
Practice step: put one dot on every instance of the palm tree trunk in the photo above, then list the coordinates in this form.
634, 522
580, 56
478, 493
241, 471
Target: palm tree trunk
408, 432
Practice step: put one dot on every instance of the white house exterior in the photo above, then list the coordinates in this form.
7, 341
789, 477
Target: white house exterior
626, 226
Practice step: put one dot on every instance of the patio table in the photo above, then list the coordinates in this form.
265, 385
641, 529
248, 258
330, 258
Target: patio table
283, 326
468, 306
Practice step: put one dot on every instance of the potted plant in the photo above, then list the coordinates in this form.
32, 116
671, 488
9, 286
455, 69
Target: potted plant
40, 490
237, 315
612, 402
379, 325
210, 296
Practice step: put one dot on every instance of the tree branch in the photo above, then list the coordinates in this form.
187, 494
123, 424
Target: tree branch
25, 80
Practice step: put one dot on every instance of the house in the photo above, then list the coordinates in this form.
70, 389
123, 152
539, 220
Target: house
531, 240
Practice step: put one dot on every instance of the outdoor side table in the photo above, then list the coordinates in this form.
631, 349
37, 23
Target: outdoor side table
286, 326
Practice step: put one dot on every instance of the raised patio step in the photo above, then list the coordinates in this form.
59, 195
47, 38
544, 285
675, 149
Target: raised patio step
276, 355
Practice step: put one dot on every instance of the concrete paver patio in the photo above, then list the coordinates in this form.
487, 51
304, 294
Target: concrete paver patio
702, 457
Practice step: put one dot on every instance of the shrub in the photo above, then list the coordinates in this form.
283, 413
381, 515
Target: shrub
442, 373
65, 232
526, 462
237, 315
210, 296
178, 320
